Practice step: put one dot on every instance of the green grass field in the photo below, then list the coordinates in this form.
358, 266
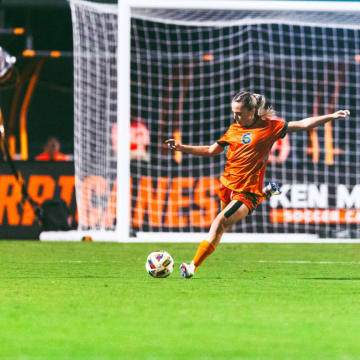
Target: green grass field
247, 301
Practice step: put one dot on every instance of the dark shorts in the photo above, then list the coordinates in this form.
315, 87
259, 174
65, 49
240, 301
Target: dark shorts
249, 199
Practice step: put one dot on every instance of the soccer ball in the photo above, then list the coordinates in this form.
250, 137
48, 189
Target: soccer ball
159, 264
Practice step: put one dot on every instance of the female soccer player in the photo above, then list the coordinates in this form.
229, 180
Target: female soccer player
249, 142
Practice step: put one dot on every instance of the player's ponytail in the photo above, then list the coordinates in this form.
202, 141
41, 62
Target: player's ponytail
261, 109
254, 101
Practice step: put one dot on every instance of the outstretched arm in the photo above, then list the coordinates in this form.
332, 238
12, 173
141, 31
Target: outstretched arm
312, 122
206, 150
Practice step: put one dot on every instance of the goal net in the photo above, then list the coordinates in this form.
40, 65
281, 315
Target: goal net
186, 64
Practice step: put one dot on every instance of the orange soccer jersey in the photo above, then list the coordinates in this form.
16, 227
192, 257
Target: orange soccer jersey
247, 154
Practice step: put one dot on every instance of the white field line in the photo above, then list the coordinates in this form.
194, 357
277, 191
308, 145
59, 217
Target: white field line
72, 262
309, 262
258, 261
166, 237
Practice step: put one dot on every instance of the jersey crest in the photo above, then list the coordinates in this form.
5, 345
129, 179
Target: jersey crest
246, 138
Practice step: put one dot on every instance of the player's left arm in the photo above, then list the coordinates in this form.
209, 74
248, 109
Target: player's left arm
315, 121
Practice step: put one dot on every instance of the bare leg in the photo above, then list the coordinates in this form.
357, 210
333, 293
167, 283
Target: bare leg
225, 219
223, 205
229, 215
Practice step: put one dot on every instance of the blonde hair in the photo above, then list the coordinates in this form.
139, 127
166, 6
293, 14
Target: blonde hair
254, 101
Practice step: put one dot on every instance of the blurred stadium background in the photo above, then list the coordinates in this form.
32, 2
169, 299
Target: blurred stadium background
185, 65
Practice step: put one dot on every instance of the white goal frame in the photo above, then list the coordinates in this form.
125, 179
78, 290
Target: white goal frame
121, 233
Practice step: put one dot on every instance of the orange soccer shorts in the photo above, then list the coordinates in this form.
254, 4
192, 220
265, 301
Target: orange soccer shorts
249, 199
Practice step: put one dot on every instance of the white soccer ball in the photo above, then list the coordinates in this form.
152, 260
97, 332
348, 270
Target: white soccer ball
159, 264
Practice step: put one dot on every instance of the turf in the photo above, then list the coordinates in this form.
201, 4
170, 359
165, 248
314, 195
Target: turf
247, 301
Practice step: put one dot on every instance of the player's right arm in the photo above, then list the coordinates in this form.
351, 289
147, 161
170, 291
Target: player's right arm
205, 150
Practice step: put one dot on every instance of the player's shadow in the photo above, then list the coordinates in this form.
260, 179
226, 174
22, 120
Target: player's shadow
334, 278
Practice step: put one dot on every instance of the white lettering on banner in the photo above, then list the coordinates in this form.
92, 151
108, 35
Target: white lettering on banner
334, 216
288, 216
313, 216
301, 196
346, 200
298, 196
352, 216
281, 199
318, 198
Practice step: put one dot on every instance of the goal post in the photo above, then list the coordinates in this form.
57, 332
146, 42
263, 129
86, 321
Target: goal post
100, 192
123, 200
177, 65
